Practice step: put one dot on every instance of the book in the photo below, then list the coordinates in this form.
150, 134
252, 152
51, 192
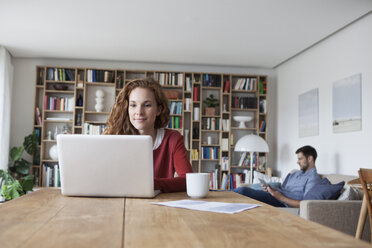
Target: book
227, 87
38, 116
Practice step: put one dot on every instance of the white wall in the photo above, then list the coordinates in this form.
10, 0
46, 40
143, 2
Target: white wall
24, 88
346, 53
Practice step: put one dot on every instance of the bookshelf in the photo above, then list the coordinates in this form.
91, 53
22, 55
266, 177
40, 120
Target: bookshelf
66, 99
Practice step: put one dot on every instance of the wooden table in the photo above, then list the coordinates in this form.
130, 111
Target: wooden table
47, 219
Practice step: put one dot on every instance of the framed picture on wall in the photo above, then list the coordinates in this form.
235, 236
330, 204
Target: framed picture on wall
347, 104
308, 115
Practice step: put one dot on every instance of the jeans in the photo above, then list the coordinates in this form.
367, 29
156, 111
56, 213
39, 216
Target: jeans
259, 195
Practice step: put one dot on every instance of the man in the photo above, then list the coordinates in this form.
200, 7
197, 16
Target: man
294, 187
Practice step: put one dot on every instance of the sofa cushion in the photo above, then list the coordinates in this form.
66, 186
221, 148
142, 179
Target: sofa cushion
350, 193
324, 191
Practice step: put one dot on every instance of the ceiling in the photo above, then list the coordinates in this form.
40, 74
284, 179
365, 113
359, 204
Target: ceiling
261, 33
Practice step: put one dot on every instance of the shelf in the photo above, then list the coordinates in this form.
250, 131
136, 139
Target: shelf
211, 116
175, 100
96, 113
187, 111
243, 91
49, 141
100, 84
211, 160
58, 111
59, 82
211, 88
95, 122
60, 91
39, 86
240, 109
175, 115
247, 128
78, 107
210, 145
172, 86
57, 121
49, 161
35, 126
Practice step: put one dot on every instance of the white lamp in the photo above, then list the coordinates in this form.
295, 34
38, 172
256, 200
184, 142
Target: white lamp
251, 143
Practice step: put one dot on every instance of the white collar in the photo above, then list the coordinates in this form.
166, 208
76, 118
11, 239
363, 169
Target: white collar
159, 138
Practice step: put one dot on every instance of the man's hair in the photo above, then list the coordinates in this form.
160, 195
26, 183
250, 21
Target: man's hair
308, 151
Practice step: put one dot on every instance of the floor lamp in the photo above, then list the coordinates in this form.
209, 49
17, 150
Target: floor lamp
251, 143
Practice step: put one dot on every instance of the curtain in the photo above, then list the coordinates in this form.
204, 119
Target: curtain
6, 82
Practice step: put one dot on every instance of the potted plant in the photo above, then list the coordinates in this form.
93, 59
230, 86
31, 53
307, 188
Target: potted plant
17, 181
211, 103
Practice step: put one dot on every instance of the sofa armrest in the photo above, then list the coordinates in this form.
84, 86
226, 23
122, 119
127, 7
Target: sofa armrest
339, 215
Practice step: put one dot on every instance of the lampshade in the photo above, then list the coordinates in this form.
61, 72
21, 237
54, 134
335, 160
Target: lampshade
251, 143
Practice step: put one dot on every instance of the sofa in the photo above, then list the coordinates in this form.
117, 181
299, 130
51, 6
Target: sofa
341, 214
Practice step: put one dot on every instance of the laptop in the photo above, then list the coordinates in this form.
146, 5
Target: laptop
106, 165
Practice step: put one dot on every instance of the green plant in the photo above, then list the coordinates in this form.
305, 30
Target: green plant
17, 165
211, 102
16, 181
13, 188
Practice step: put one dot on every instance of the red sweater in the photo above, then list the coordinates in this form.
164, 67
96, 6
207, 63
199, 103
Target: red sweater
169, 157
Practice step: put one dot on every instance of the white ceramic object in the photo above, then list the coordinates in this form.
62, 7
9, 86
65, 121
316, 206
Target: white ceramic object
99, 100
197, 184
53, 152
242, 119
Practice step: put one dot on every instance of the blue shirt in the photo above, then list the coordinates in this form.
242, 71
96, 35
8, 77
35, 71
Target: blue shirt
296, 185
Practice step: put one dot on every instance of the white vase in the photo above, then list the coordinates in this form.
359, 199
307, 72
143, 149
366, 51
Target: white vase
53, 152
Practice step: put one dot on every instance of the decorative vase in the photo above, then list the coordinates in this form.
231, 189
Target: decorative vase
186, 138
53, 152
99, 100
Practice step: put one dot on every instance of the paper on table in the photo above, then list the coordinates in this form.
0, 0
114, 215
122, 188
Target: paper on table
218, 207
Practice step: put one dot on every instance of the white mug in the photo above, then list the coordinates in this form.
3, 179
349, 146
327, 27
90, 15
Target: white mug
197, 184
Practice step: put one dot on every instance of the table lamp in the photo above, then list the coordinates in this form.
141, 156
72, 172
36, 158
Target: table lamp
251, 143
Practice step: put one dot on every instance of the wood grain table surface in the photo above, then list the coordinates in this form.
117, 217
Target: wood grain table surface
45, 218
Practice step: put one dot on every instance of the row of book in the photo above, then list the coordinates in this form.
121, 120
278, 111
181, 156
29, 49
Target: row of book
262, 87
211, 80
175, 108
245, 159
100, 76
194, 154
210, 152
226, 88
213, 182
93, 129
234, 180
51, 176
175, 122
60, 74
245, 84
59, 103
196, 93
244, 102
171, 78
39, 119
225, 163
211, 123
262, 126
188, 84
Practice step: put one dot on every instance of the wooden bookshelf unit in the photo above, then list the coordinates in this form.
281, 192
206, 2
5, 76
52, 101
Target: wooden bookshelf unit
65, 102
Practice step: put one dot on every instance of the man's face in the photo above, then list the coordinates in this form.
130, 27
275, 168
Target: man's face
302, 161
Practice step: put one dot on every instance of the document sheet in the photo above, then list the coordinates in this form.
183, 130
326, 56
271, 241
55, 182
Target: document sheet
218, 207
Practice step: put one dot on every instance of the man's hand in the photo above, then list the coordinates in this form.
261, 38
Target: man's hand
263, 187
277, 195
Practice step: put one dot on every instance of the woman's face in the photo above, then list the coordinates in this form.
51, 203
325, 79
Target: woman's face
143, 110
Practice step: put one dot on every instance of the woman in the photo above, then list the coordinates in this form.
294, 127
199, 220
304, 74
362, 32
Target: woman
141, 108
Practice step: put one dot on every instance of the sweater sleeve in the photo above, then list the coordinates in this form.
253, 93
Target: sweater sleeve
182, 166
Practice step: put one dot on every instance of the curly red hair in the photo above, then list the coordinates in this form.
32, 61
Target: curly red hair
118, 121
